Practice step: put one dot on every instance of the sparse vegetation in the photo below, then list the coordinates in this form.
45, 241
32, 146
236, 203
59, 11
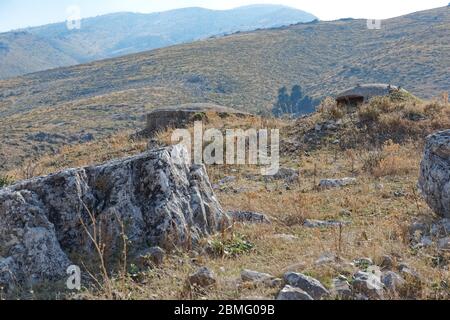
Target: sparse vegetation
243, 71
379, 210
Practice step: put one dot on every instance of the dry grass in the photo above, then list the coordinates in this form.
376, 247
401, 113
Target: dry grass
378, 223
383, 204
97, 152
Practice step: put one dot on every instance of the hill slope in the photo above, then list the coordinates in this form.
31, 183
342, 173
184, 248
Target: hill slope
243, 71
124, 33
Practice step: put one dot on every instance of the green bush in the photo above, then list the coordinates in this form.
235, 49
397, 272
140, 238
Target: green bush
5, 181
233, 247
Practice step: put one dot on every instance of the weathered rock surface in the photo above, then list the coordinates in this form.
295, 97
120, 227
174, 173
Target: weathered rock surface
157, 196
392, 281
290, 293
434, 180
260, 278
289, 175
203, 278
369, 285
341, 288
310, 285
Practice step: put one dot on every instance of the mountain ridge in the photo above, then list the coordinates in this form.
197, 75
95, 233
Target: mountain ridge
117, 34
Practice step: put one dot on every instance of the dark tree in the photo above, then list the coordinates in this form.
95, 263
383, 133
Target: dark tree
282, 105
294, 104
296, 95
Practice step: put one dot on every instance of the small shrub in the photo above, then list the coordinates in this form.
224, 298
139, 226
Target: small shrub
199, 116
330, 109
433, 109
369, 113
384, 104
5, 181
235, 246
388, 161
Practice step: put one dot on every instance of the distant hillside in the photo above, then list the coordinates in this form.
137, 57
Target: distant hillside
244, 71
22, 52
113, 35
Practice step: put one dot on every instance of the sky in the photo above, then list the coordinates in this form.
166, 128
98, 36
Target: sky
16, 14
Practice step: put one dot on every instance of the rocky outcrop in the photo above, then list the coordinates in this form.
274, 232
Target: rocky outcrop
434, 180
181, 115
155, 198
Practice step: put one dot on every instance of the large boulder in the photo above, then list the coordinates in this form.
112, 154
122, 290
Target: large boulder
434, 180
155, 198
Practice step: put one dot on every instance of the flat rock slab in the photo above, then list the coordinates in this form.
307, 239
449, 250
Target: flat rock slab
336, 183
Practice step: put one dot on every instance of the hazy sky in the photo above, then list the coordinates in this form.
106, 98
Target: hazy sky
23, 13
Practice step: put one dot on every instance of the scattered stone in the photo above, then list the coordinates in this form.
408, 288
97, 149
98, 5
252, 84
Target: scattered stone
251, 217
310, 285
341, 288
289, 293
287, 174
310, 223
434, 180
336, 183
202, 278
392, 281
260, 278
368, 284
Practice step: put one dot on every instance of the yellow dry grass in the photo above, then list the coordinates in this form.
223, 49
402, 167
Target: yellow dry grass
379, 209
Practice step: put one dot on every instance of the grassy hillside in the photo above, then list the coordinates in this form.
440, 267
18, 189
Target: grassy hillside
378, 211
124, 33
243, 70
23, 52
